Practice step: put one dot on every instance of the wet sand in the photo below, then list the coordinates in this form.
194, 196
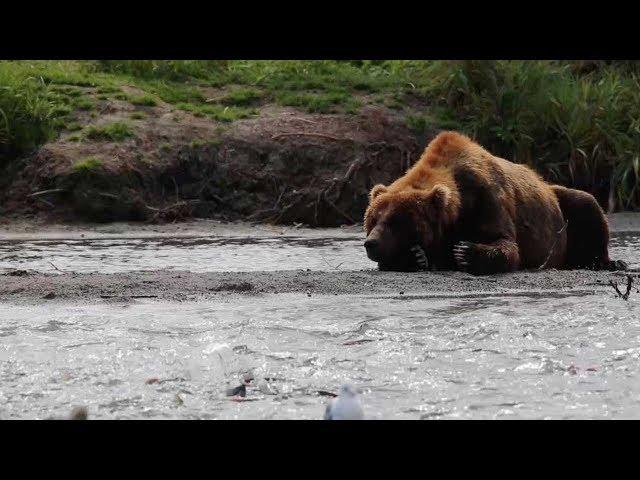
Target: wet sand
32, 286
20, 285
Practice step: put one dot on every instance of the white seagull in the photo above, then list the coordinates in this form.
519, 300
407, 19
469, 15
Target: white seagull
346, 406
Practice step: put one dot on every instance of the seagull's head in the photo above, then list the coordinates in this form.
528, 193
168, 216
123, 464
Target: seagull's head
348, 391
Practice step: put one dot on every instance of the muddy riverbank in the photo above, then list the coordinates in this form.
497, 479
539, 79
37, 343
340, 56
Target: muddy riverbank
203, 260
21, 285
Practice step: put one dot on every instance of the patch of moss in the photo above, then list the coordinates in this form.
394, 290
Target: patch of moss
143, 100
114, 132
87, 164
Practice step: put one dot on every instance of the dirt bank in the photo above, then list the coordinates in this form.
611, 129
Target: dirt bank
160, 164
17, 285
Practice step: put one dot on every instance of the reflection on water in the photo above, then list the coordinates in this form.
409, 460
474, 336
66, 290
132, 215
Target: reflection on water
216, 254
497, 357
193, 254
626, 246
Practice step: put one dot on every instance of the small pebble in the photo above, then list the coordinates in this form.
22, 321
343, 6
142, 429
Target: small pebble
50, 295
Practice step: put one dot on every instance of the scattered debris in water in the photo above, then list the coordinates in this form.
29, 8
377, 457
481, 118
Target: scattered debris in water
625, 295
16, 273
324, 393
79, 413
247, 378
239, 391
266, 388
51, 263
358, 342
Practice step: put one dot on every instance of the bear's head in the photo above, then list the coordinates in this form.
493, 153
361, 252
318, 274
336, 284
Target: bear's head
396, 222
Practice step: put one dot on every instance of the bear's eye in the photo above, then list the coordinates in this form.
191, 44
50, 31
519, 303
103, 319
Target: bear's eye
397, 221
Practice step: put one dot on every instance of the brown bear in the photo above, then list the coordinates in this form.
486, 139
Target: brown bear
461, 208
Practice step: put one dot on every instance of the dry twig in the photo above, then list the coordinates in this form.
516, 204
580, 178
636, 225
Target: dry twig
625, 295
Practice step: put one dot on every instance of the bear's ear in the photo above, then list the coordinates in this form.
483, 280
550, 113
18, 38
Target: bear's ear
439, 197
377, 190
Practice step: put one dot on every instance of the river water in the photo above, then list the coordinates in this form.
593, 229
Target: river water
556, 355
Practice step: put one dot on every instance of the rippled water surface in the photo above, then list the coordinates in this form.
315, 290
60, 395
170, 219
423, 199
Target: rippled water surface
206, 254
216, 254
495, 357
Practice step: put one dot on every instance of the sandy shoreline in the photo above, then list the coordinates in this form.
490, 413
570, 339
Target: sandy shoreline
189, 286
28, 286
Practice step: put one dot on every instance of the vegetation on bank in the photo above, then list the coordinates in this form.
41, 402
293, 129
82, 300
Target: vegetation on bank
575, 122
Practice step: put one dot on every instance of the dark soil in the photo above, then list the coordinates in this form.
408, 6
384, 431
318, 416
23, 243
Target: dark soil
284, 167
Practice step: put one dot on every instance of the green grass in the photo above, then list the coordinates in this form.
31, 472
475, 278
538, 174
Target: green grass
26, 114
143, 100
115, 132
82, 103
137, 116
578, 123
107, 89
328, 102
172, 92
87, 164
175, 70
73, 126
576, 130
216, 112
242, 97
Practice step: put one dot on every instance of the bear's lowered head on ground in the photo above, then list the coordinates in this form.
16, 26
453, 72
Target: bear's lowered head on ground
396, 222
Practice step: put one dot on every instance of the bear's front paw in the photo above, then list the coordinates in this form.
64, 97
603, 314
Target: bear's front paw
462, 253
421, 257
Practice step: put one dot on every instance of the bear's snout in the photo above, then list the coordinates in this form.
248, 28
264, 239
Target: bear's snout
372, 246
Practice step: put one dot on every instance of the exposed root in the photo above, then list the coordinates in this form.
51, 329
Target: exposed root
305, 134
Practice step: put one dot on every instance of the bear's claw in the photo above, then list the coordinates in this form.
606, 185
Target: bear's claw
461, 252
421, 258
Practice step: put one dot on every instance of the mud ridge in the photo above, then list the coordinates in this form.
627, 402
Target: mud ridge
282, 167
181, 286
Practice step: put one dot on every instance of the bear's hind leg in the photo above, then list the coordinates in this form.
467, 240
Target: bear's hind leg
484, 259
587, 231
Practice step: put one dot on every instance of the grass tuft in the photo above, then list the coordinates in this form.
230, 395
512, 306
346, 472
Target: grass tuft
87, 164
115, 132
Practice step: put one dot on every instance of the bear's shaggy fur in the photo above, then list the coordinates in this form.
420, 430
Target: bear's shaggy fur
461, 208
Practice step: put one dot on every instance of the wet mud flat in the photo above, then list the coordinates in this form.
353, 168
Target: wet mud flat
23, 285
